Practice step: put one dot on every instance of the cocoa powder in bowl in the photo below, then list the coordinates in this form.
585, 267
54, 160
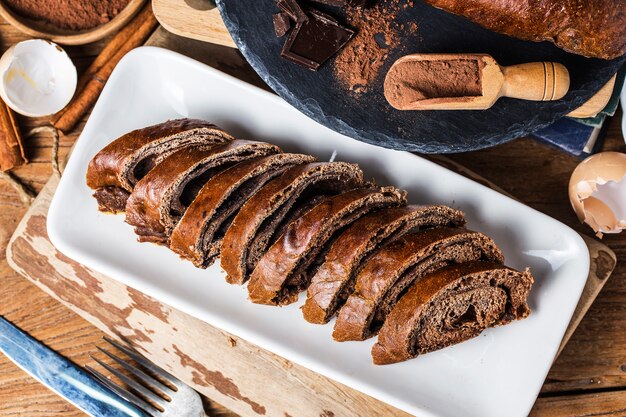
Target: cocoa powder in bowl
411, 81
75, 15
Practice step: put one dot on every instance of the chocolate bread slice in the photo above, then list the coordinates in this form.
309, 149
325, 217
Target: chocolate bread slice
252, 230
115, 170
198, 235
160, 199
284, 269
390, 271
334, 280
450, 306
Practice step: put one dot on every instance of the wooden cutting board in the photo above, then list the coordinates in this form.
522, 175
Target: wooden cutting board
227, 369
194, 19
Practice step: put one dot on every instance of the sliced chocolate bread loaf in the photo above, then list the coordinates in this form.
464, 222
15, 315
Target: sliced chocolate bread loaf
160, 199
198, 235
450, 306
334, 280
251, 232
390, 271
284, 269
115, 170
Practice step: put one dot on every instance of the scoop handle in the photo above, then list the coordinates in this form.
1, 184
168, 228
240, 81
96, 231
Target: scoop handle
538, 81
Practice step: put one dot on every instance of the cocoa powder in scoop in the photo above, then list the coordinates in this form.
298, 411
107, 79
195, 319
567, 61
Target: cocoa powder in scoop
74, 15
412, 81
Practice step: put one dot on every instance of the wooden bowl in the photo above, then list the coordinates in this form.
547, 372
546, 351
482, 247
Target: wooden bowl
42, 30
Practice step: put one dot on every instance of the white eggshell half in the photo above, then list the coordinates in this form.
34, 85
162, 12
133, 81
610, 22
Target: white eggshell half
37, 78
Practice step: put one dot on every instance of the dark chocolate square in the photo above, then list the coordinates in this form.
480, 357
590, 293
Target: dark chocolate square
313, 42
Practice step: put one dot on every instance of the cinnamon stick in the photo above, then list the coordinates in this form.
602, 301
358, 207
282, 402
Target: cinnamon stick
114, 45
11, 147
92, 82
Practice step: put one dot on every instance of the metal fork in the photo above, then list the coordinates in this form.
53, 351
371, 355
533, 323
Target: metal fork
182, 401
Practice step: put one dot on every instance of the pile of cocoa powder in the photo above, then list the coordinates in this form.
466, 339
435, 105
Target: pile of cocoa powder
360, 61
74, 15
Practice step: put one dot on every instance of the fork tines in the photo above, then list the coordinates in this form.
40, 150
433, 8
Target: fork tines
155, 398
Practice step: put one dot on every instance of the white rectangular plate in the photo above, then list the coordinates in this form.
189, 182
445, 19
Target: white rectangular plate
496, 374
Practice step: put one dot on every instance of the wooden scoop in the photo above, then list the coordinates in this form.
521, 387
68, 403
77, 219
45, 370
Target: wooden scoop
469, 82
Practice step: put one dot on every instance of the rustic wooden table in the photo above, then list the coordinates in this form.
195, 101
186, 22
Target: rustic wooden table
589, 378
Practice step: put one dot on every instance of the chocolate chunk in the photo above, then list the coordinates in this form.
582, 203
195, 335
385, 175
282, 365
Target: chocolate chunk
282, 24
336, 3
342, 3
323, 15
356, 3
312, 43
293, 9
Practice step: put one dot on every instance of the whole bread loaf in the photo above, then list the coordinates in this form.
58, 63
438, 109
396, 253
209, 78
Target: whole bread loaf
592, 28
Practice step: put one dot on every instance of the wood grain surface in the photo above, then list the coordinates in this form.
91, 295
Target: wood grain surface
116, 309
588, 379
194, 19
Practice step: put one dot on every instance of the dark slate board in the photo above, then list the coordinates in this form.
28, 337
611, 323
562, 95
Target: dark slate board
371, 119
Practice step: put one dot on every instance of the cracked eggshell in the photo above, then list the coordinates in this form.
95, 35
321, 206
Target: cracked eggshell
597, 191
